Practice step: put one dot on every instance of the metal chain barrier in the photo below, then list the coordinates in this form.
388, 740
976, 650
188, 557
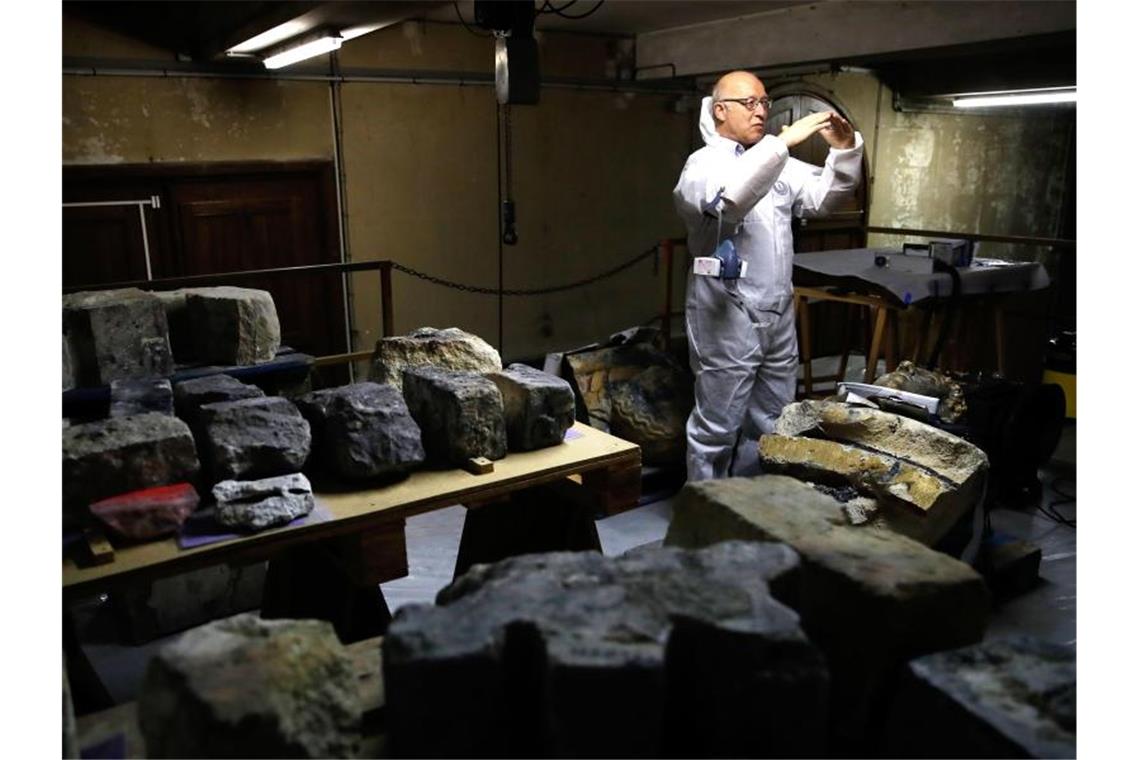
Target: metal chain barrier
526, 292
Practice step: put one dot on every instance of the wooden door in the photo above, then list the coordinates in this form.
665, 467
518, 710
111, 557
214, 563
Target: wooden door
213, 218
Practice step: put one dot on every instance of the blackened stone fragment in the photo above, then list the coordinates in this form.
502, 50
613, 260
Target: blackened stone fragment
254, 438
362, 430
460, 415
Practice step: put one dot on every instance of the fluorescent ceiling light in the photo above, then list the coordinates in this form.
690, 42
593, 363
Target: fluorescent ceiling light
1022, 98
310, 49
271, 37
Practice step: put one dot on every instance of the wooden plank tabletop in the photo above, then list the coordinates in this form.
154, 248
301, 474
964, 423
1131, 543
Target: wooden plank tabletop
585, 449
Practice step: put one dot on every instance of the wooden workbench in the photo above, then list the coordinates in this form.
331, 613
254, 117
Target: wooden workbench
365, 532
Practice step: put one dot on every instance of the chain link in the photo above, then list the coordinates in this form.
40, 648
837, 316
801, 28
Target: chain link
525, 292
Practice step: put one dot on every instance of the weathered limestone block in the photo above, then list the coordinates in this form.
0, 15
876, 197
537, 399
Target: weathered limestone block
233, 325
450, 348
460, 414
122, 454
951, 457
191, 395
117, 335
578, 655
870, 599
1006, 698
254, 438
538, 407
260, 504
363, 430
246, 687
149, 512
917, 503
860, 585
141, 396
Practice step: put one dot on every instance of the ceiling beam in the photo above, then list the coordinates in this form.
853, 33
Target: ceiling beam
838, 30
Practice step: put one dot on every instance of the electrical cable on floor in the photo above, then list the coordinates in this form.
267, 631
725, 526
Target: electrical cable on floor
1050, 510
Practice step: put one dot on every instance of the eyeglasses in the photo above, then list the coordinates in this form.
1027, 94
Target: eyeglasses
749, 103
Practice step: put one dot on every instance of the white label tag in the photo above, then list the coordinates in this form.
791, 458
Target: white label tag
706, 266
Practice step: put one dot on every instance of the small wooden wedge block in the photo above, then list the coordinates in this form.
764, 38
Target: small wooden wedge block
99, 549
479, 465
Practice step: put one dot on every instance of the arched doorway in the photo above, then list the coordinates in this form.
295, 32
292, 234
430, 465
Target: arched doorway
846, 227
836, 327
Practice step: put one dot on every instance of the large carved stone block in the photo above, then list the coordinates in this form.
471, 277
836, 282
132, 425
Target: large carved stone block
122, 454
914, 501
117, 335
254, 438
538, 407
260, 504
450, 348
246, 687
182, 343
233, 325
861, 585
1005, 698
656, 652
870, 598
951, 457
363, 430
460, 415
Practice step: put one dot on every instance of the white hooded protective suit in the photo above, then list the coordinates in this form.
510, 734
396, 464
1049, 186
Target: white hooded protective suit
742, 334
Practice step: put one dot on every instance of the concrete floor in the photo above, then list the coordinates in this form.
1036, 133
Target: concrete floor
1047, 611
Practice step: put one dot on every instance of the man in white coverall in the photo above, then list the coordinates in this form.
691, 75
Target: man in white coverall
742, 334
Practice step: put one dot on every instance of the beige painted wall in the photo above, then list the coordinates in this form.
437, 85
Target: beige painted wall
593, 171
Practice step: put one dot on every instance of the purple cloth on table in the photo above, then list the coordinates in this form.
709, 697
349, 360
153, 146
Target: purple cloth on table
201, 528
571, 434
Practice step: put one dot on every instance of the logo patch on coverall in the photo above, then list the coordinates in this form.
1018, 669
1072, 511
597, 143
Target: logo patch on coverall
780, 187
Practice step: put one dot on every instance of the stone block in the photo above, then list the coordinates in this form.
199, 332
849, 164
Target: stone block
460, 415
953, 458
147, 513
1003, 698
869, 597
233, 326
538, 408
246, 687
123, 454
254, 438
451, 349
362, 430
117, 335
915, 501
259, 504
141, 397
651, 409
578, 655
861, 586
191, 395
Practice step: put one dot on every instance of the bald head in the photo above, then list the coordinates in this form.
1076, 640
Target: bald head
733, 119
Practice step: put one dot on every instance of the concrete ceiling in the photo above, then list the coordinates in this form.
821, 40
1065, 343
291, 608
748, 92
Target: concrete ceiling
933, 45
